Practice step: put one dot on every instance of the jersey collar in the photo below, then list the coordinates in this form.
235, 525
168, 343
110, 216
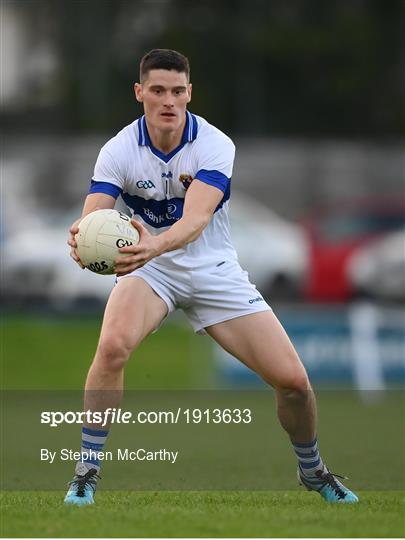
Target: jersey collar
189, 133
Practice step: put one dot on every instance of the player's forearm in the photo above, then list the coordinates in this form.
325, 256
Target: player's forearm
184, 231
97, 201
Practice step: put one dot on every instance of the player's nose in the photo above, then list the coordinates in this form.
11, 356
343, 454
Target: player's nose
168, 100
168, 103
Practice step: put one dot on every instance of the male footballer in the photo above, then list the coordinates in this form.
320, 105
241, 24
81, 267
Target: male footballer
173, 170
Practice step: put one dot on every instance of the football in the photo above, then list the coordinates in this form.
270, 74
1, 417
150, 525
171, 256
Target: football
101, 234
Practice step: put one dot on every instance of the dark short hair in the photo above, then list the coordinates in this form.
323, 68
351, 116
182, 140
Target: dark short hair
163, 59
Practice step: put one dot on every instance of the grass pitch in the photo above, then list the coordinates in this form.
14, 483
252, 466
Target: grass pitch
203, 514
54, 354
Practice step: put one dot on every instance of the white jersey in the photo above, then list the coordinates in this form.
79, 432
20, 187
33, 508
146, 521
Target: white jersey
153, 185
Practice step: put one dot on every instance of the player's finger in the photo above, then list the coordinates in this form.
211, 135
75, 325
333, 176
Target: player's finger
138, 226
128, 270
79, 262
129, 264
72, 242
131, 249
136, 257
125, 269
76, 258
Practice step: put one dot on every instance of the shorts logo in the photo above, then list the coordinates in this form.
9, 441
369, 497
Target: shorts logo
145, 184
186, 180
257, 299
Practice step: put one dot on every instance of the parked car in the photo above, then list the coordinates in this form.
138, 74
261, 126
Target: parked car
337, 234
37, 267
272, 249
37, 264
378, 269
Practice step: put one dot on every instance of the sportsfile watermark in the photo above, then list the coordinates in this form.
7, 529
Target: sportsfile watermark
120, 454
194, 440
114, 415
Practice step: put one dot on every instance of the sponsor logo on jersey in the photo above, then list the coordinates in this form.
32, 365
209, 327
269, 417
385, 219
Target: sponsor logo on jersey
167, 175
186, 180
145, 184
157, 213
162, 218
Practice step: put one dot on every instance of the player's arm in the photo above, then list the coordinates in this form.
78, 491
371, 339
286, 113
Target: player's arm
94, 201
200, 203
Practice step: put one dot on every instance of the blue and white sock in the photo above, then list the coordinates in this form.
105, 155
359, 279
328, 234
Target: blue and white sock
309, 459
93, 441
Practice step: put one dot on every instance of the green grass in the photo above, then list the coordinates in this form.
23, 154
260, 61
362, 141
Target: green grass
202, 514
54, 353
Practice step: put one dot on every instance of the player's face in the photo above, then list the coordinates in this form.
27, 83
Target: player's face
164, 94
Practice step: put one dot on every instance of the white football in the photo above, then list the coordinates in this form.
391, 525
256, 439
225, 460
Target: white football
101, 234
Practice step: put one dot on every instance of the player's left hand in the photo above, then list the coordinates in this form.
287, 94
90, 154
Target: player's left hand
140, 254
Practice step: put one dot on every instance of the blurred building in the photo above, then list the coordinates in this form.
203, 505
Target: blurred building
312, 93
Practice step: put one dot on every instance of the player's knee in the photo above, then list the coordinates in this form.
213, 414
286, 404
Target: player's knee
296, 384
113, 352
297, 390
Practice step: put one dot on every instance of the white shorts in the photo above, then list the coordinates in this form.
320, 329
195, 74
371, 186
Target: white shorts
208, 295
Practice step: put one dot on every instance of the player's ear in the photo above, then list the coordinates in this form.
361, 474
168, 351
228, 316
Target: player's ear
189, 90
138, 92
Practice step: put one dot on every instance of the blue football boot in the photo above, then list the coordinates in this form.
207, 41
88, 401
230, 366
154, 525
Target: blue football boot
327, 485
83, 486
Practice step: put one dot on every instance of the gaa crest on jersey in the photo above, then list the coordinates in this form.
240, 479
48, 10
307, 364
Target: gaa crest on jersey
186, 180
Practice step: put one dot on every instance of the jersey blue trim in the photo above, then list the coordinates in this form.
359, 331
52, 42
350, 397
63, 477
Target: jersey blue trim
226, 196
105, 187
166, 157
189, 135
213, 178
194, 129
163, 213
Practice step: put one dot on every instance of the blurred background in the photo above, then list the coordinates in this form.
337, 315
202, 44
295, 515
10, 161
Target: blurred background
312, 94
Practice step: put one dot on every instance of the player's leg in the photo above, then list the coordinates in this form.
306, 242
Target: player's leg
260, 341
133, 311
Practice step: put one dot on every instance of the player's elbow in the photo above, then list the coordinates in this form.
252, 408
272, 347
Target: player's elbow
198, 223
204, 220
201, 224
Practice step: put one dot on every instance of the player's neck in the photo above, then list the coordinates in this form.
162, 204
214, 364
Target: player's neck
165, 141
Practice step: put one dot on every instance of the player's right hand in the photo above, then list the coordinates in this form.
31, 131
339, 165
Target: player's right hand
74, 229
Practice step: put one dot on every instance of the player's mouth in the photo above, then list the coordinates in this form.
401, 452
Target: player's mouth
168, 115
